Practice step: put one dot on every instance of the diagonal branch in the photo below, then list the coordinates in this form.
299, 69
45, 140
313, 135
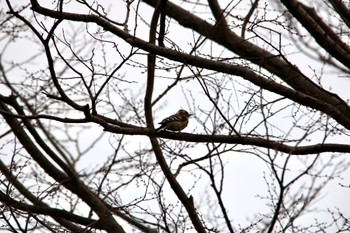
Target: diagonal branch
70, 181
305, 91
320, 31
247, 50
186, 201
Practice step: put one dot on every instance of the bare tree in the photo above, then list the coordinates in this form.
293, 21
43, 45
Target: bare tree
84, 83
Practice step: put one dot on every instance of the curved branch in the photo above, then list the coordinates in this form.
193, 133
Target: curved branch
247, 18
319, 30
260, 142
112, 126
343, 11
247, 50
60, 218
53, 212
306, 92
176, 187
70, 181
231, 139
218, 14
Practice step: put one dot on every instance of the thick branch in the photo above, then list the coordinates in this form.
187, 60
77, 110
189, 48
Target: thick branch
231, 139
342, 9
274, 64
71, 183
306, 92
176, 187
319, 30
65, 219
127, 129
46, 210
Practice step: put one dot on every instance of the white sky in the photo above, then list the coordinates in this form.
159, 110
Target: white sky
244, 183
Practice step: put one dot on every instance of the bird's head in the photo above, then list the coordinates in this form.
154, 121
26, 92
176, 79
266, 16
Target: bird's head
183, 113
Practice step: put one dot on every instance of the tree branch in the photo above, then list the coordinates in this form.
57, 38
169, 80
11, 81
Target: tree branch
306, 92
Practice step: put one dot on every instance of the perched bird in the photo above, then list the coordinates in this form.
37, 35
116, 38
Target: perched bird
176, 122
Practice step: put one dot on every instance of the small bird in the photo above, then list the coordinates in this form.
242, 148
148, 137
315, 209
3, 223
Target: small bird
176, 122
